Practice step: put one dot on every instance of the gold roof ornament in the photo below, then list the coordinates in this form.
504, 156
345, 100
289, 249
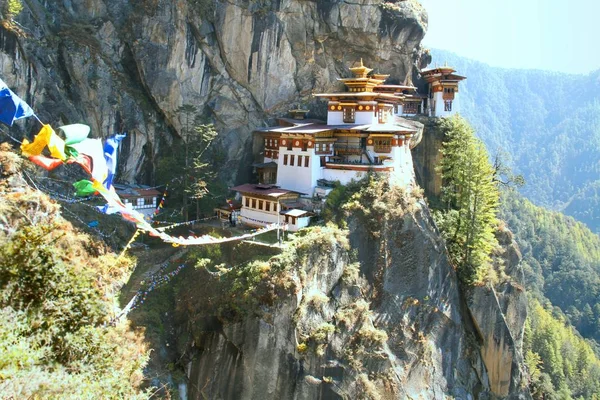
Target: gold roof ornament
362, 71
381, 77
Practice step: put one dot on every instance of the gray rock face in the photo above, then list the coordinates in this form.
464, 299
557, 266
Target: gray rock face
128, 65
394, 328
499, 315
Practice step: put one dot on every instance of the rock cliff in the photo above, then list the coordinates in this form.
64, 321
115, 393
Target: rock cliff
128, 65
371, 311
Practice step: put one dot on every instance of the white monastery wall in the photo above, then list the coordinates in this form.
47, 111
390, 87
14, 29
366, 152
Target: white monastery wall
300, 223
344, 176
297, 177
257, 215
335, 118
439, 105
365, 117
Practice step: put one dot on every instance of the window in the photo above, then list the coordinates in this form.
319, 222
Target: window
285, 159
306, 161
410, 108
289, 144
323, 161
292, 160
267, 206
253, 203
247, 202
448, 105
299, 161
382, 116
383, 145
148, 201
140, 201
276, 143
260, 204
304, 145
349, 114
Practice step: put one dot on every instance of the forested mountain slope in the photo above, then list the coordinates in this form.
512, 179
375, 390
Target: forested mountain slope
561, 260
546, 123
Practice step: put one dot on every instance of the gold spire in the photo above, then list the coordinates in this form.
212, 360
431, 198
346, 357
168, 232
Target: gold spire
362, 71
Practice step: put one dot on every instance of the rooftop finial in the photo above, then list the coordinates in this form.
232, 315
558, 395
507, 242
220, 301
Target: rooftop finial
361, 63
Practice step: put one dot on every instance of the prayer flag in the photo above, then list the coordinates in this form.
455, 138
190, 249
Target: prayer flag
45, 137
110, 155
93, 149
45, 162
84, 188
11, 106
75, 133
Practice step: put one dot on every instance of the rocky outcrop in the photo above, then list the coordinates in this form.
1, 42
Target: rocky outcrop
427, 156
374, 312
499, 314
123, 65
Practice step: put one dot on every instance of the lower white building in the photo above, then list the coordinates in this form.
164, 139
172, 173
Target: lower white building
264, 204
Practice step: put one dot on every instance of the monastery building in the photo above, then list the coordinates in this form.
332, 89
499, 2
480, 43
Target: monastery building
365, 132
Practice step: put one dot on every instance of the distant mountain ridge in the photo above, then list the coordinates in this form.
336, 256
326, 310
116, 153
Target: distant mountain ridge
547, 122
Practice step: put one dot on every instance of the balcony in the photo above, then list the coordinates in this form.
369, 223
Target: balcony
348, 149
382, 149
337, 160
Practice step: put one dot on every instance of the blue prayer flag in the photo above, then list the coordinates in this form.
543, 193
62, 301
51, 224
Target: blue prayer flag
110, 154
11, 106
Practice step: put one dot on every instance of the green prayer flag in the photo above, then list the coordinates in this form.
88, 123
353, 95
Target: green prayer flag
75, 133
84, 188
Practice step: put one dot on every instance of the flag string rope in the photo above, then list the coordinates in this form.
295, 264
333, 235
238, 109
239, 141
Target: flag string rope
99, 162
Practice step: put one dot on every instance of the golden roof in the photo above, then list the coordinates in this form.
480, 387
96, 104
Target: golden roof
362, 71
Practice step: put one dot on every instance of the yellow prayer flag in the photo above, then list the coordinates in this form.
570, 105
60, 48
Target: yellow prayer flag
45, 137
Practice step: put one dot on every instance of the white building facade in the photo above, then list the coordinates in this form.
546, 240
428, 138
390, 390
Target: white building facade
443, 91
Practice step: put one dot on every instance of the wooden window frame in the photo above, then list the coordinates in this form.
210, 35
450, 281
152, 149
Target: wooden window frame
349, 114
260, 204
254, 203
292, 160
306, 161
299, 161
285, 159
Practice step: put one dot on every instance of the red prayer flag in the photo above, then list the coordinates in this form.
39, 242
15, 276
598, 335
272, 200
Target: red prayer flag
45, 162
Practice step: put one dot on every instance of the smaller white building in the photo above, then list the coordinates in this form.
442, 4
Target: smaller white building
137, 197
443, 91
266, 204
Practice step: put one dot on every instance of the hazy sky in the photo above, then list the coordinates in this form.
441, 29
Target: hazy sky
554, 35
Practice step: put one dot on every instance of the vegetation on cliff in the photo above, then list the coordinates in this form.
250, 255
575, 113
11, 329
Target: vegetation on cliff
191, 167
56, 297
470, 200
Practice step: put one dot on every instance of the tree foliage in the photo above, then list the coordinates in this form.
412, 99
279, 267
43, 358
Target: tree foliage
192, 165
561, 364
55, 302
12, 8
561, 260
470, 197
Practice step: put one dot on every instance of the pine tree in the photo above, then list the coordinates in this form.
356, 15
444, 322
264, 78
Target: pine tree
470, 195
